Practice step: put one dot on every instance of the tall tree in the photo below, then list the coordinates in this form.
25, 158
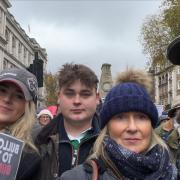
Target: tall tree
171, 15
155, 36
51, 85
158, 30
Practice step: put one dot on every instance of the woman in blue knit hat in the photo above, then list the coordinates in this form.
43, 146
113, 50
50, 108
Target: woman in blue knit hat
127, 147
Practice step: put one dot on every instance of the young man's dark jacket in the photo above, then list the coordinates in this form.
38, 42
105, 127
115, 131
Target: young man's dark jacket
57, 151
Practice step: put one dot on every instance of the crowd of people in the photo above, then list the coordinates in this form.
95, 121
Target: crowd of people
121, 138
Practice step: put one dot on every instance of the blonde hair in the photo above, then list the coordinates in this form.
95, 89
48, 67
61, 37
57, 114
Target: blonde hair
22, 128
98, 150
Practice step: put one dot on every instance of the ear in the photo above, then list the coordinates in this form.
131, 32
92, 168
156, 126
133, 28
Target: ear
58, 97
97, 98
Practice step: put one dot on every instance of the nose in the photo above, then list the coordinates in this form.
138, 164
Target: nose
7, 97
77, 99
132, 127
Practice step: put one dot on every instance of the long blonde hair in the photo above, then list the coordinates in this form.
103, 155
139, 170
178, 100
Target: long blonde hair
98, 150
22, 128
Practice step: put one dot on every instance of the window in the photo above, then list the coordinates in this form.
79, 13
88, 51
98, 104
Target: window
20, 48
25, 52
29, 58
159, 80
1, 15
166, 78
7, 35
178, 70
178, 85
13, 42
5, 64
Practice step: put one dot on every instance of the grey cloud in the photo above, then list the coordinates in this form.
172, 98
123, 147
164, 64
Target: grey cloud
110, 29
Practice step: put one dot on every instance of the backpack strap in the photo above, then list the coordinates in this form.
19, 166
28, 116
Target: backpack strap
94, 166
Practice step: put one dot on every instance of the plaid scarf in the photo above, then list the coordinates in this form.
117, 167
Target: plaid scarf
155, 164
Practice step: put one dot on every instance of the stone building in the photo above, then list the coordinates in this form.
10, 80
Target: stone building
17, 49
106, 82
167, 84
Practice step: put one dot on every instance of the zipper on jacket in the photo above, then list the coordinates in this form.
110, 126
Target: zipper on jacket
77, 160
72, 150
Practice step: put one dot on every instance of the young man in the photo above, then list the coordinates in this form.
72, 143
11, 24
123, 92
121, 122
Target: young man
67, 140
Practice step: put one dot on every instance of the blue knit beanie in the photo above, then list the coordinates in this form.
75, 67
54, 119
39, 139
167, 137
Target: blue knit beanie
126, 97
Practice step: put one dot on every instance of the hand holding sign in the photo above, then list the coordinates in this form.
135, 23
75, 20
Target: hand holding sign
10, 155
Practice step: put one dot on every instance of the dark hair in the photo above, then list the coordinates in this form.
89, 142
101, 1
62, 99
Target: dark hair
70, 72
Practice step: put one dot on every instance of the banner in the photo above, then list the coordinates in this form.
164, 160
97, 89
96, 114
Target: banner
10, 155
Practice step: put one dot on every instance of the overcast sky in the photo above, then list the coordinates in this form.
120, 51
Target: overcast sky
91, 32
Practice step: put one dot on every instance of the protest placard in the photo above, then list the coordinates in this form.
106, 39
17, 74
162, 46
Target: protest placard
10, 155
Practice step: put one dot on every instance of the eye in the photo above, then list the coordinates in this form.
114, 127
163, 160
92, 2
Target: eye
69, 93
142, 116
20, 96
3, 91
120, 116
86, 94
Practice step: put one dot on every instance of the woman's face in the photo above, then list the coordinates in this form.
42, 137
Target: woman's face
132, 130
44, 119
12, 104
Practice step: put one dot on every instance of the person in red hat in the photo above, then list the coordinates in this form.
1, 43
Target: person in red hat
44, 117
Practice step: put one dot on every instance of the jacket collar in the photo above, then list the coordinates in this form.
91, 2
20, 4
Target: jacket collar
57, 126
62, 132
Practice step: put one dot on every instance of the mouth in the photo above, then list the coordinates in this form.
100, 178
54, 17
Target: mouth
132, 140
77, 111
5, 108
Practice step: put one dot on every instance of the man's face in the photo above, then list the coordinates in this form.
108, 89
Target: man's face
78, 102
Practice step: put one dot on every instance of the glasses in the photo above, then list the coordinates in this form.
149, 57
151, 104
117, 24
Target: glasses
44, 117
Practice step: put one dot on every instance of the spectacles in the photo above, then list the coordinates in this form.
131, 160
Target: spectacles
45, 117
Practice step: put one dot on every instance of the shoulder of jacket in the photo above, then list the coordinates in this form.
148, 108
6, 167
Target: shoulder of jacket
47, 131
77, 173
173, 139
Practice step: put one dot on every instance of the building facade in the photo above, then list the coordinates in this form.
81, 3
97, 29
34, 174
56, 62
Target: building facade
17, 49
167, 84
